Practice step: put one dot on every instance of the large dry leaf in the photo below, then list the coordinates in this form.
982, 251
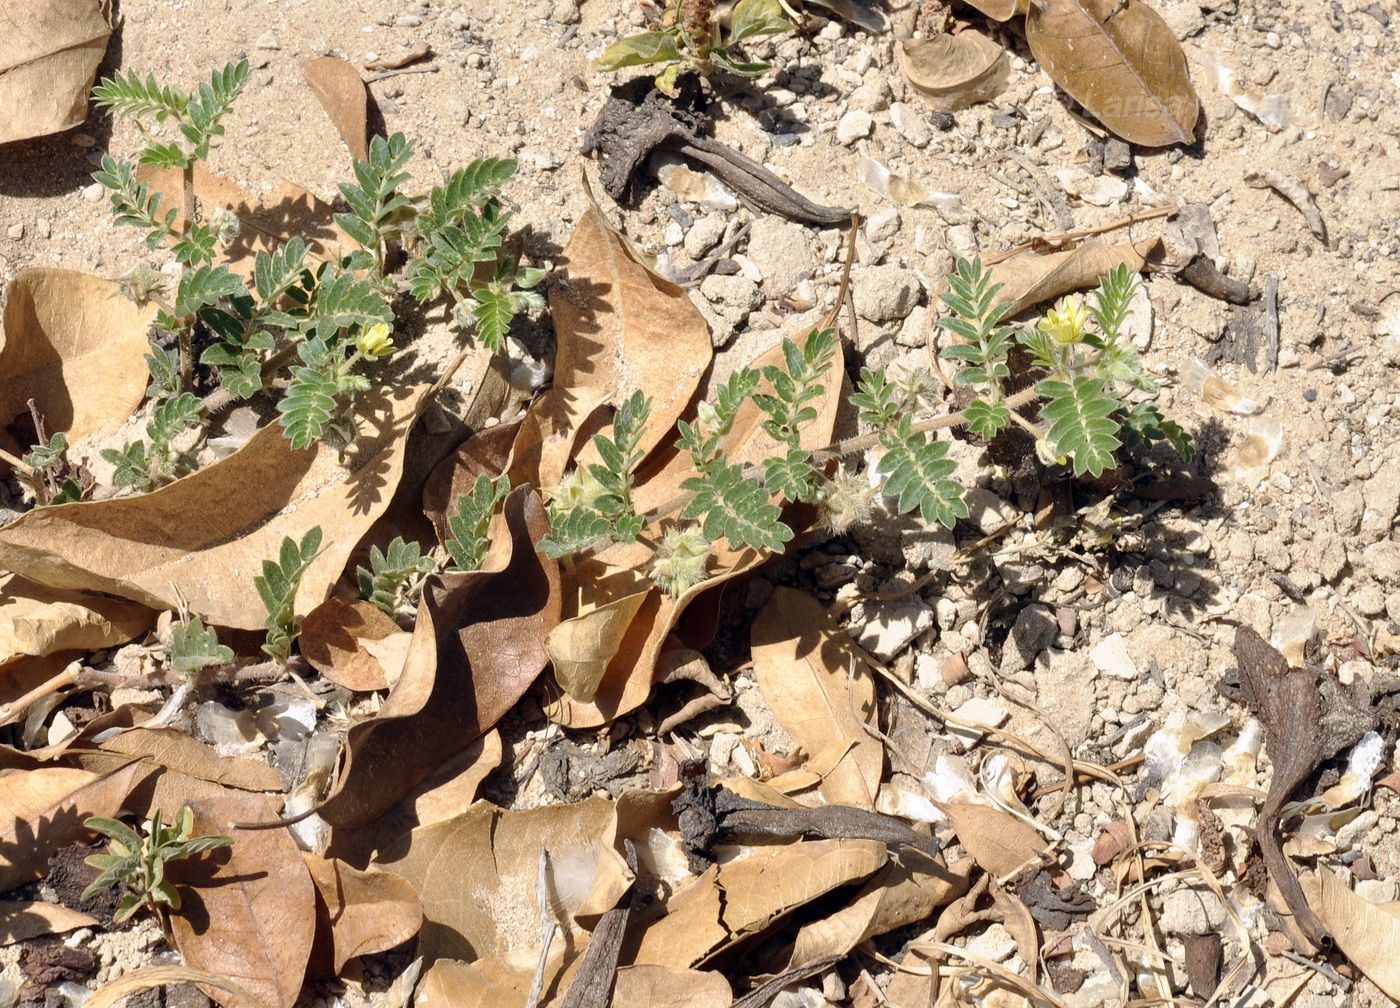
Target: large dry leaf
742, 897
264, 224
1001, 844
1030, 278
358, 913
1369, 933
76, 347
43, 810
478, 645
952, 72
660, 987
806, 667
498, 850
906, 891
36, 620
174, 750
493, 982
620, 327
1120, 61
486, 453
341, 92
49, 54
202, 539
21, 920
334, 637
620, 570
582, 647
248, 912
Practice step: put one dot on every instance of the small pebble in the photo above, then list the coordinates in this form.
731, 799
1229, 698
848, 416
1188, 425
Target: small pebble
92, 193
15, 231
854, 125
268, 40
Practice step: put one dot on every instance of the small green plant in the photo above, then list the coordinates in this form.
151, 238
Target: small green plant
277, 587
1076, 409
309, 325
466, 542
394, 575
136, 861
700, 35
194, 646
48, 474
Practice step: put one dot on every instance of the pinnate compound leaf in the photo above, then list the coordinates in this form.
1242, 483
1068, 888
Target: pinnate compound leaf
737, 507
916, 468
1120, 61
986, 419
1081, 422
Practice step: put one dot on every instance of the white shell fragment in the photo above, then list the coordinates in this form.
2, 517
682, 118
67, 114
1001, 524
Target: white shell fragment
1199, 377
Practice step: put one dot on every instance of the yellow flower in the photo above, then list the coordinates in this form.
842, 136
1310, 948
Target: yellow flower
376, 341
1065, 322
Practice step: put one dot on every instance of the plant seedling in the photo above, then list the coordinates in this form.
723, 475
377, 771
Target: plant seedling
136, 861
277, 586
699, 35
394, 575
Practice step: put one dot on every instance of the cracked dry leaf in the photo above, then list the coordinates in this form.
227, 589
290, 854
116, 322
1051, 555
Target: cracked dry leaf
248, 912
341, 92
357, 913
478, 645
731, 901
621, 569
76, 347
1120, 61
202, 539
36, 621
620, 327
806, 667
1030, 278
952, 72
477, 875
1368, 933
43, 810
49, 54
335, 638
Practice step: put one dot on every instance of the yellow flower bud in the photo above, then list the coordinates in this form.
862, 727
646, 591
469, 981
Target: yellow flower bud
377, 341
1065, 322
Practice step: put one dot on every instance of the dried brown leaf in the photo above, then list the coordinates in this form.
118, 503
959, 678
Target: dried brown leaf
202, 539
43, 810
582, 647
806, 667
486, 453
478, 645
1120, 61
952, 72
333, 639
1029, 279
49, 54
36, 620
499, 852
248, 912
174, 750
744, 896
341, 92
660, 987
1001, 844
620, 327
76, 347
358, 913
1000, 10
21, 920
1369, 933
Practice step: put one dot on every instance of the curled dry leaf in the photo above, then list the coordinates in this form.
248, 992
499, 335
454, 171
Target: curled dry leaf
21, 920
486, 453
334, 637
49, 54
620, 570
581, 648
76, 347
358, 913
498, 851
36, 621
807, 670
1029, 278
1369, 933
341, 92
248, 912
952, 72
148, 977
202, 539
43, 810
620, 327
741, 897
1120, 61
478, 645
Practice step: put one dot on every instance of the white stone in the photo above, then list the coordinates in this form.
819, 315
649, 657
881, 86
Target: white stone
982, 710
854, 125
882, 225
1110, 656
909, 124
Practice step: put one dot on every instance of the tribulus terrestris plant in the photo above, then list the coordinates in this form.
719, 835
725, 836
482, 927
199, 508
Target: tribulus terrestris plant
1076, 408
136, 861
306, 326
277, 587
